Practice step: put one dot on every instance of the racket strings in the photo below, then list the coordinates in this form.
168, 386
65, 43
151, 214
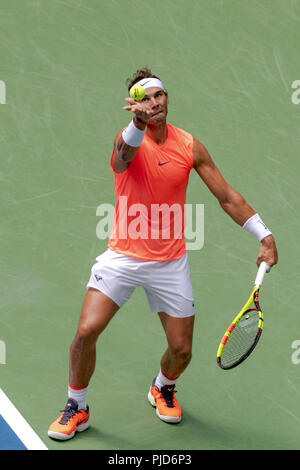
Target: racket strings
241, 339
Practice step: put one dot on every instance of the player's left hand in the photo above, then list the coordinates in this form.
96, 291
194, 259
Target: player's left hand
268, 252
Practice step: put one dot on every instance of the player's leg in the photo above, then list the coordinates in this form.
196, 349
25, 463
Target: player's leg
179, 334
169, 292
97, 311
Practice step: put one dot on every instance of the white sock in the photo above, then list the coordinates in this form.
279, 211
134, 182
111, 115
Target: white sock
78, 394
161, 380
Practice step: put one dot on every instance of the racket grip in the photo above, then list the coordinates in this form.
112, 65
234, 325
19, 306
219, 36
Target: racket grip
262, 270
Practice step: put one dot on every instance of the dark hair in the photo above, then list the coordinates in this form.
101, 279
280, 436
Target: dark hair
139, 75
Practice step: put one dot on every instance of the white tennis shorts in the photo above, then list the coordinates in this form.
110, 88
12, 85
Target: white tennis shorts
167, 284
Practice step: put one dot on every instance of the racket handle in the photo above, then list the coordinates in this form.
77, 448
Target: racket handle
262, 270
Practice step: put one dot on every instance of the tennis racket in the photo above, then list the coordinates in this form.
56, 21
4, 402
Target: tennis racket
243, 333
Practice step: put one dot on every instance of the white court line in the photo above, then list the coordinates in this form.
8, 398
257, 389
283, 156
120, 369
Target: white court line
19, 425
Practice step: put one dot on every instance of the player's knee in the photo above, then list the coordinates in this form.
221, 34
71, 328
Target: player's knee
183, 352
85, 334
186, 356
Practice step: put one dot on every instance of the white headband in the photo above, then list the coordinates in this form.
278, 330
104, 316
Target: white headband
151, 82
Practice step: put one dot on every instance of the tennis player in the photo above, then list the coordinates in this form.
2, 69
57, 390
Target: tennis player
151, 161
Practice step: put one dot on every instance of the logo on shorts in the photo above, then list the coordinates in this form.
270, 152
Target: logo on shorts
98, 278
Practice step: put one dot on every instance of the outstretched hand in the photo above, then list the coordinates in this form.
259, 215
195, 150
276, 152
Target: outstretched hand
140, 109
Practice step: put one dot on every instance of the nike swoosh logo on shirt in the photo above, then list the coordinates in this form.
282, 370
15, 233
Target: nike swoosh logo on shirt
162, 163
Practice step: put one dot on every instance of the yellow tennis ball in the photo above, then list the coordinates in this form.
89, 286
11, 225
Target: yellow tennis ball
137, 92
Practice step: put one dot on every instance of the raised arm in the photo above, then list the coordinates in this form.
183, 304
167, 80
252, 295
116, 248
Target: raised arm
128, 140
124, 153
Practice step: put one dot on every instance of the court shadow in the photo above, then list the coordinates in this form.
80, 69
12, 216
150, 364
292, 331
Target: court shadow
95, 439
217, 435
212, 434
106, 441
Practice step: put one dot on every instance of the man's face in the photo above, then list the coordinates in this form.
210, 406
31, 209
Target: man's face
158, 101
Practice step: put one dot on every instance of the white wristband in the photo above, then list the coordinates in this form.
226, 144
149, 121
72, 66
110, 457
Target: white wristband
132, 135
256, 226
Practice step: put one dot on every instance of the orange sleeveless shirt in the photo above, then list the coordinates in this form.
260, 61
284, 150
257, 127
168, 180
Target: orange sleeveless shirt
150, 198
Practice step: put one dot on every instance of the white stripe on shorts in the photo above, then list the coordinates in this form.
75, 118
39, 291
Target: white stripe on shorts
167, 284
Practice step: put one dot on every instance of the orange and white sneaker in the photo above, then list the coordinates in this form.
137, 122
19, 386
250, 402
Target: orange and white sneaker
164, 400
71, 420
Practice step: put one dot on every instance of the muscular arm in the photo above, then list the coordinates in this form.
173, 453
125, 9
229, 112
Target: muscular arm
229, 199
123, 153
